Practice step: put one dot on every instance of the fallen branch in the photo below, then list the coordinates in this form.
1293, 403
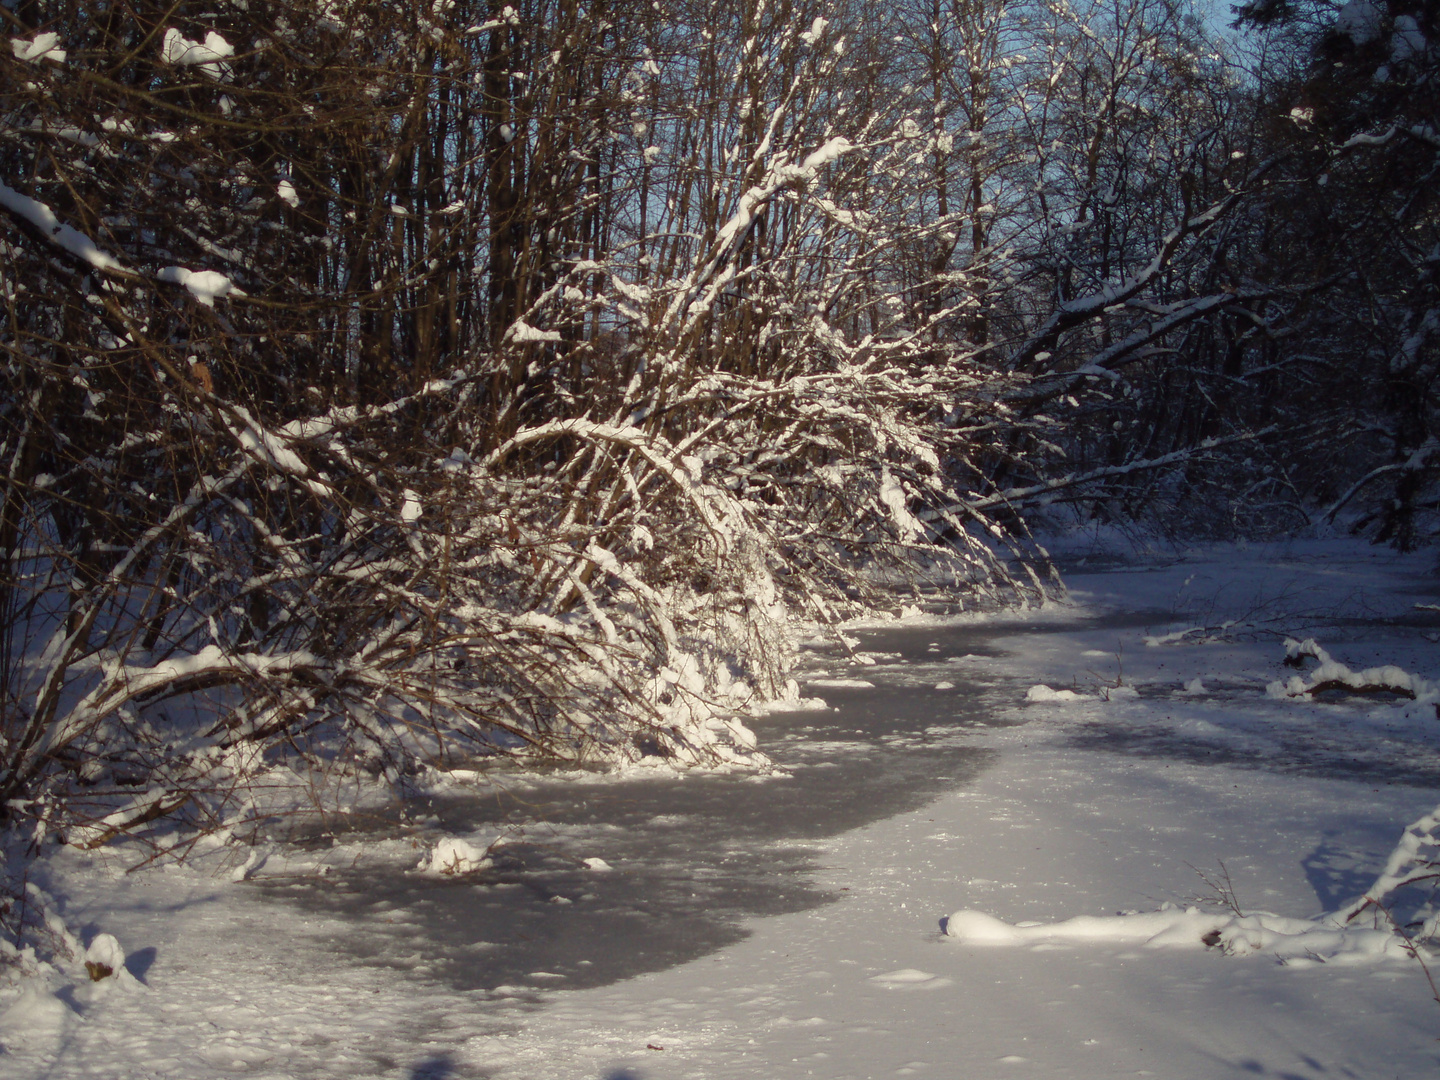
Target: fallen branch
1333, 675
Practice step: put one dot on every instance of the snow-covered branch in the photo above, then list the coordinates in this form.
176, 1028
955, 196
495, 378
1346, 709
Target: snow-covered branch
1020, 495
1073, 313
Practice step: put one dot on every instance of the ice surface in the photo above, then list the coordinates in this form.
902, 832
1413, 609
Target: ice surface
692, 859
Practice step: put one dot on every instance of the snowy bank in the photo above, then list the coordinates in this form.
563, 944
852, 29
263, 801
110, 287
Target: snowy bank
1176, 927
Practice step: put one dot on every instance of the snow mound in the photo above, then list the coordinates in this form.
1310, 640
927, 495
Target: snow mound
804, 704
1042, 693
1318, 941
105, 959
910, 979
36, 1020
453, 856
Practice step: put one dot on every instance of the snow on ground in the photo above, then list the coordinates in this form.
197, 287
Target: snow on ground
869, 988
1166, 768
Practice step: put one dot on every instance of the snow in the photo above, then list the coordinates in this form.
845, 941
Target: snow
105, 959
1412, 861
895, 499
1360, 20
521, 331
179, 50
63, 236
909, 979
832, 150
795, 705
1042, 693
41, 47
205, 285
453, 856
816, 32
1189, 927
1074, 870
36, 1020
1330, 674
1407, 41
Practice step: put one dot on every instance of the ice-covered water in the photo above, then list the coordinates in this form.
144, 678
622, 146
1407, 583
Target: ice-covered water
690, 857
947, 786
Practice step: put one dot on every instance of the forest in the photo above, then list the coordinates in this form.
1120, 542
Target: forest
388, 387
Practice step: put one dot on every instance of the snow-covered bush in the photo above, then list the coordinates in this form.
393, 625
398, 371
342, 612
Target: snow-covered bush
34, 940
386, 385
389, 387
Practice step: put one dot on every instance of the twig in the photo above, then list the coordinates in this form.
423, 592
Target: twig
1222, 887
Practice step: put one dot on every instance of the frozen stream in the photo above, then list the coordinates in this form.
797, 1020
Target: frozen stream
692, 857
785, 928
